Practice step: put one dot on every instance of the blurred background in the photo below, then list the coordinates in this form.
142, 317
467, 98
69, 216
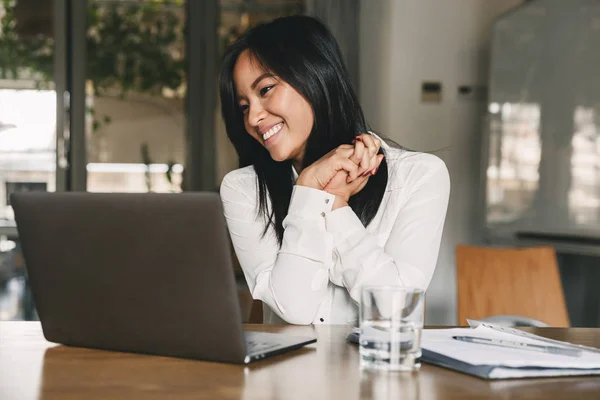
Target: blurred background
121, 96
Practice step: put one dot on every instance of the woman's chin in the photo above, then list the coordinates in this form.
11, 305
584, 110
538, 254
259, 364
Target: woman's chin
279, 157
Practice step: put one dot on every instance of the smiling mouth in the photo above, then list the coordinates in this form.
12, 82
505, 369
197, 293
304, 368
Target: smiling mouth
272, 132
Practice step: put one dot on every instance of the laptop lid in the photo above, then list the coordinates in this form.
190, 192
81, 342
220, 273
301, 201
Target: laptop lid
148, 273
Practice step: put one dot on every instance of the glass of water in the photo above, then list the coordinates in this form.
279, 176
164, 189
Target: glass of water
391, 321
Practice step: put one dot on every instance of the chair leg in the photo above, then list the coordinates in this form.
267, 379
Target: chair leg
256, 313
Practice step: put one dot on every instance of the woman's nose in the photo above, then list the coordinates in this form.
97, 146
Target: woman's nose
256, 113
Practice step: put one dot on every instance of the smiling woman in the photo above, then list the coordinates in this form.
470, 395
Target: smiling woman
320, 206
276, 115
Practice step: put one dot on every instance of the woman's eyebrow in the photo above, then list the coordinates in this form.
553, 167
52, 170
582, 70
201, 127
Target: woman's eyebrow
256, 82
260, 78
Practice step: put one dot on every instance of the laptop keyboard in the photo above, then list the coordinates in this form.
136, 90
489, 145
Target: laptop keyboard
257, 342
257, 346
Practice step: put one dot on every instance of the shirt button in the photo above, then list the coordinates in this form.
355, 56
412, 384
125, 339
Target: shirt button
321, 319
323, 214
326, 201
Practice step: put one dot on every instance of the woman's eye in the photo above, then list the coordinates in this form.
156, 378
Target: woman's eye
264, 90
243, 108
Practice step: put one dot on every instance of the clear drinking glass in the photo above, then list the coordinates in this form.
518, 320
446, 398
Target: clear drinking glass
391, 321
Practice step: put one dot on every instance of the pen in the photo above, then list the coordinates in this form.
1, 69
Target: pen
520, 345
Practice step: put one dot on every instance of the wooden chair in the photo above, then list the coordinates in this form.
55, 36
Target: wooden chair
256, 312
521, 282
255, 315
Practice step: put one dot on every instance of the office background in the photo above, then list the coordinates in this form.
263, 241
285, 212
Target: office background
120, 95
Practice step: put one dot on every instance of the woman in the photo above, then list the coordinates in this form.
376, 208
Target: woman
319, 207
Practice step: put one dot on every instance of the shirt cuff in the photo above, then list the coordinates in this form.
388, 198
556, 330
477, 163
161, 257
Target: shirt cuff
346, 228
343, 222
310, 203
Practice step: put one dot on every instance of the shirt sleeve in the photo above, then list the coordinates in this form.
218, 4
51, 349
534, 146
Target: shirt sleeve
409, 255
292, 279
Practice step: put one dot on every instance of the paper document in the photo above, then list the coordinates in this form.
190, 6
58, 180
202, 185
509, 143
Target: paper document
474, 324
495, 362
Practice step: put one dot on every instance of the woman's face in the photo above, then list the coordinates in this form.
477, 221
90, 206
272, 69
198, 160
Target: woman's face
275, 114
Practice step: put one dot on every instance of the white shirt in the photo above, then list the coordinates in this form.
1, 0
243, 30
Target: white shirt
327, 256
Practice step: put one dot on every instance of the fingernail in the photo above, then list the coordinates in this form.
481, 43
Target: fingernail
375, 171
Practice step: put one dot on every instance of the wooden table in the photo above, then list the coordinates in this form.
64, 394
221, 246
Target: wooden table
32, 368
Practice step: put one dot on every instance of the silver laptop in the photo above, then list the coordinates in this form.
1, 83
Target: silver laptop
145, 273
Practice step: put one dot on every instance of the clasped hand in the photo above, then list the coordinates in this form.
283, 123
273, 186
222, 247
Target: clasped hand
345, 170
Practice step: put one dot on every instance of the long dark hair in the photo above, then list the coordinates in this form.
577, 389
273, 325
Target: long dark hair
301, 51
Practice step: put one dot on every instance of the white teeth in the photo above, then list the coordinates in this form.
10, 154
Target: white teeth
272, 131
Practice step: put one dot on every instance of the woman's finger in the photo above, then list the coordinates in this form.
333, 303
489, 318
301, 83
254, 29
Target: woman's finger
359, 152
361, 157
379, 160
370, 143
373, 162
376, 141
360, 180
358, 184
349, 166
344, 151
365, 161
369, 153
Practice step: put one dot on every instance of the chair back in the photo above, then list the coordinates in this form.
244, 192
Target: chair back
256, 312
501, 281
